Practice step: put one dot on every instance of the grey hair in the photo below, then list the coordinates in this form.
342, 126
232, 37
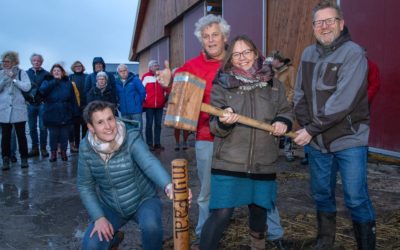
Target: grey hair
208, 20
12, 56
102, 74
122, 66
327, 4
36, 54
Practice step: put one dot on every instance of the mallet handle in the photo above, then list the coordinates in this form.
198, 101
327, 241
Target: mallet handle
243, 120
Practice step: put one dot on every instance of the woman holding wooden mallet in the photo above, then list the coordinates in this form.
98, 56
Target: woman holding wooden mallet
243, 171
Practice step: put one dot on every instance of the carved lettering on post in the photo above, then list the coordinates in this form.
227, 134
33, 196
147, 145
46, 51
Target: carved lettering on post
180, 204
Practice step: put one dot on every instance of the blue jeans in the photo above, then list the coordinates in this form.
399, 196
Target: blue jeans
352, 166
274, 229
59, 134
204, 152
35, 112
153, 115
148, 217
136, 117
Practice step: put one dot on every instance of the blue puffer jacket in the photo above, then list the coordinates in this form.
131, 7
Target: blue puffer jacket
60, 106
130, 95
124, 181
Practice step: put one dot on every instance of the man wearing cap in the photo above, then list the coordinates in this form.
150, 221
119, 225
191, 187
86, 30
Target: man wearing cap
153, 105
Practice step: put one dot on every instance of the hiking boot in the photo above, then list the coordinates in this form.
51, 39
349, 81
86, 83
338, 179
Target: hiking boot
6, 163
177, 147
34, 152
44, 152
53, 156
24, 163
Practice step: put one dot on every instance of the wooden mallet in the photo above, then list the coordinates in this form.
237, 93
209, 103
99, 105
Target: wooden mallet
185, 104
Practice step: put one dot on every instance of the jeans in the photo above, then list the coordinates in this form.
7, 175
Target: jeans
153, 115
136, 117
148, 217
352, 166
204, 152
274, 229
35, 112
6, 129
59, 134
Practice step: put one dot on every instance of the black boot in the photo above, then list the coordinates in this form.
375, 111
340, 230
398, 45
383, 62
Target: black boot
53, 156
326, 230
43, 151
6, 163
365, 234
34, 152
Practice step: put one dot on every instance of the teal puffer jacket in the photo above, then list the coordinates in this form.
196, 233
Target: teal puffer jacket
124, 181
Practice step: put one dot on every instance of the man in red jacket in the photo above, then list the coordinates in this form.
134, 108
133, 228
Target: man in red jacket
153, 105
213, 33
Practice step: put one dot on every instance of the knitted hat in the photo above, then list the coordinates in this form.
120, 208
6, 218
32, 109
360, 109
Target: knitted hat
152, 63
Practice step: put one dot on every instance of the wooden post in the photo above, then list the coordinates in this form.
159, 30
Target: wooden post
181, 204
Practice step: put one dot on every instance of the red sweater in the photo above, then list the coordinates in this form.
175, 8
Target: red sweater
374, 80
206, 69
155, 94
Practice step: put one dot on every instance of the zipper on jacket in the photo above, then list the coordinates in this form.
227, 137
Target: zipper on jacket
351, 124
252, 135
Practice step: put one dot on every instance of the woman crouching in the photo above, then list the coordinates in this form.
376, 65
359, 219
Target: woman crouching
114, 159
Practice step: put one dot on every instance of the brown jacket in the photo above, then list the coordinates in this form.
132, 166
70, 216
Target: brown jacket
240, 149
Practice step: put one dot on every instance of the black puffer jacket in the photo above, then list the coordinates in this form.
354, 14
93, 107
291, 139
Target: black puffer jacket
239, 149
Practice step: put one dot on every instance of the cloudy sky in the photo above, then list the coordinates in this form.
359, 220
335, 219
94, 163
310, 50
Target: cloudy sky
67, 30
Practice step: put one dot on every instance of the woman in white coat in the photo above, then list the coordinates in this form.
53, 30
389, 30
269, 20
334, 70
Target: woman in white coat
13, 108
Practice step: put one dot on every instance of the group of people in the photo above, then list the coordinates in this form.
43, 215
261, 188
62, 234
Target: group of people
36, 96
236, 164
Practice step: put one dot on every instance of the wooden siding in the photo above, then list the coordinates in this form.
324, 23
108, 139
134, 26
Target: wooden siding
144, 60
289, 27
158, 14
176, 45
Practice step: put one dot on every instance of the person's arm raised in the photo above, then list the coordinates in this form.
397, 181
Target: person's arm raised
164, 76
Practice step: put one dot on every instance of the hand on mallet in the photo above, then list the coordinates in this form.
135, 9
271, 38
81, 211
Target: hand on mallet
229, 117
164, 76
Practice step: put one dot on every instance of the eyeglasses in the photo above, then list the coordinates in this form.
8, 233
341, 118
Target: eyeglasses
328, 22
245, 53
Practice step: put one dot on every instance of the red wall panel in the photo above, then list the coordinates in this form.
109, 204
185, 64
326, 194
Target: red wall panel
374, 25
